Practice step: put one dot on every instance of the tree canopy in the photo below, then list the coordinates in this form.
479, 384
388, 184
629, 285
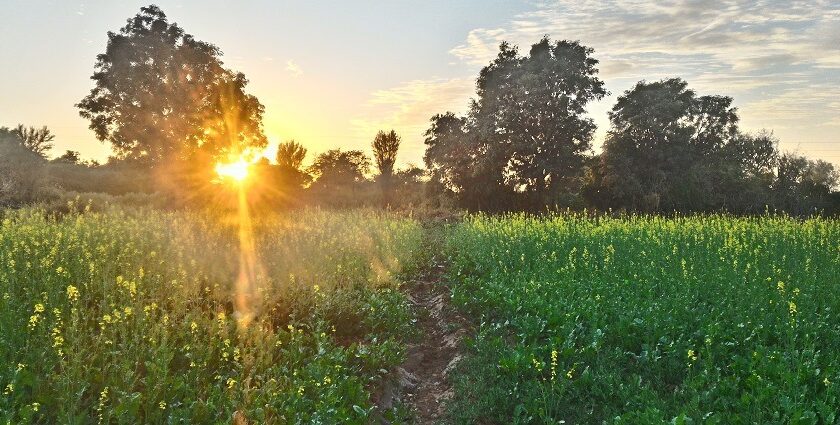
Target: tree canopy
526, 131
290, 174
336, 168
663, 143
161, 95
385, 147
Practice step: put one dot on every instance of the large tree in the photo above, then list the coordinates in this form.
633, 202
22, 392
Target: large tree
385, 147
160, 95
525, 132
669, 149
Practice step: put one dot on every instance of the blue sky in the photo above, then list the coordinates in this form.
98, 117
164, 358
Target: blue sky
331, 73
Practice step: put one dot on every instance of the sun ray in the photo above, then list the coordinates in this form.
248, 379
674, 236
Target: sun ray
237, 171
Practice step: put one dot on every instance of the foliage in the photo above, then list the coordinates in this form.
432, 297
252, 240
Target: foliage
525, 132
670, 150
337, 169
124, 317
803, 185
161, 96
21, 170
70, 157
385, 147
290, 156
709, 319
37, 140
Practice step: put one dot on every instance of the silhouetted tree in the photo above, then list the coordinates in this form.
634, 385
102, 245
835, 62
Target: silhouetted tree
21, 170
385, 147
526, 130
453, 159
804, 186
408, 186
290, 156
161, 95
71, 157
37, 140
339, 169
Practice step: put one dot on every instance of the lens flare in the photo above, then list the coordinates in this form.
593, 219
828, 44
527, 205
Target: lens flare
237, 171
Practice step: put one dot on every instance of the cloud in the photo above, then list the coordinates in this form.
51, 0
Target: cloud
780, 60
408, 107
293, 68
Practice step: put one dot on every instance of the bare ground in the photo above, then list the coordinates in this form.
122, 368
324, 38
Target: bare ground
422, 383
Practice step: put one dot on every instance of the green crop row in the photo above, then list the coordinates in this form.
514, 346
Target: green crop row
708, 319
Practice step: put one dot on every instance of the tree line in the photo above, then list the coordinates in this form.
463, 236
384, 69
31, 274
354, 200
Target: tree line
170, 109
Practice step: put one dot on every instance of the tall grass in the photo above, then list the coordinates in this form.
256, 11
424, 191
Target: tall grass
649, 320
128, 316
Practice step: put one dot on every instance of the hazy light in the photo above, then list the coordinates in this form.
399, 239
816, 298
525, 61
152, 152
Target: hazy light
237, 171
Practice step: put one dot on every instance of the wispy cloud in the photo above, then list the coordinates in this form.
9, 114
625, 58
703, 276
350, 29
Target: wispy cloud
407, 109
293, 68
779, 59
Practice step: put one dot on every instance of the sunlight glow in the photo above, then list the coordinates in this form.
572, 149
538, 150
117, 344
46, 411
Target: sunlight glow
237, 171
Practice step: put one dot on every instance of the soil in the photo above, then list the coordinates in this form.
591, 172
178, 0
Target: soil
422, 382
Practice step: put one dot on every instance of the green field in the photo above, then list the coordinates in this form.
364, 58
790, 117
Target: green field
648, 320
142, 316
120, 317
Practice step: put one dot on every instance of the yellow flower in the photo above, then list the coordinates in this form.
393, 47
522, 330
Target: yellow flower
792, 308
826, 382
39, 308
537, 364
691, 355
231, 383
72, 293
193, 327
35, 406
162, 405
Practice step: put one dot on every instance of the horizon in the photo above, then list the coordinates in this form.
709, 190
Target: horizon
380, 67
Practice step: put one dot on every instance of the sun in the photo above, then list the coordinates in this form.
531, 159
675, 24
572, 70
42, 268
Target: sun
237, 171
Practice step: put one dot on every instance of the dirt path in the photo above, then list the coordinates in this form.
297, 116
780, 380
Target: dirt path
422, 382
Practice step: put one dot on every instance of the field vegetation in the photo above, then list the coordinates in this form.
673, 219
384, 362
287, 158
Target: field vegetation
709, 319
143, 317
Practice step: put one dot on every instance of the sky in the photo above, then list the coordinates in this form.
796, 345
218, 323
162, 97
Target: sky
331, 74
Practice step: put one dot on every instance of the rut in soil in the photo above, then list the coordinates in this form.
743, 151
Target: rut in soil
422, 382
